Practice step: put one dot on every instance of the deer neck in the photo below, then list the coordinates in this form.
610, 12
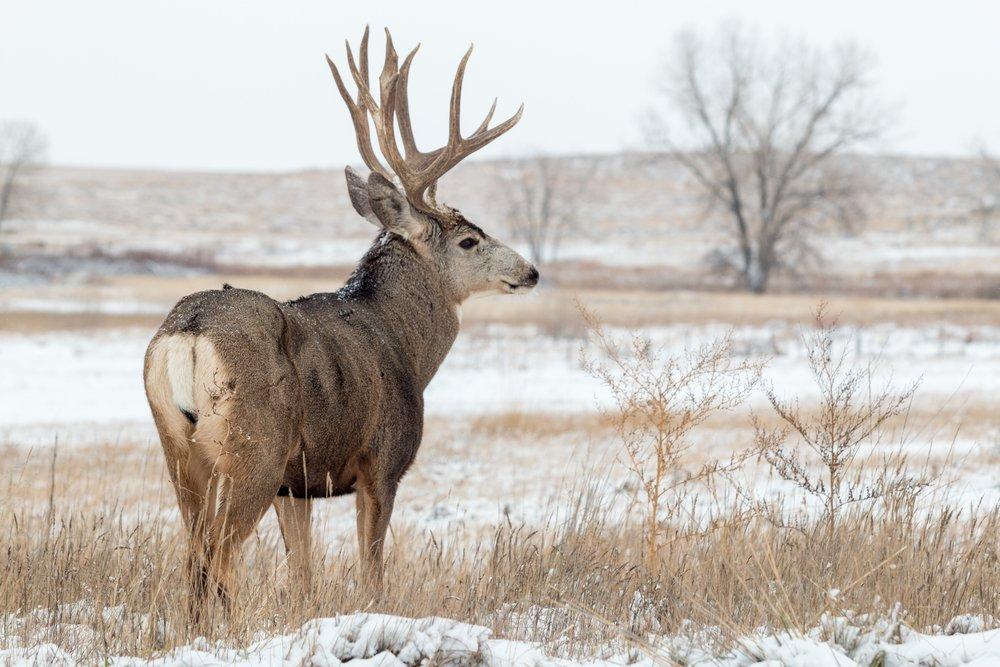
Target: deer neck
405, 292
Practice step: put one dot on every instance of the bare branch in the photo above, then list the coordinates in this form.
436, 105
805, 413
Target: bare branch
544, 196
763, 128
22, 146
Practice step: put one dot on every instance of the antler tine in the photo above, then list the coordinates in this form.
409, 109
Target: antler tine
417, 172
484, 136
403, 113
363, 52
455, 110
361, 77
360, 119
389, 69
486, 121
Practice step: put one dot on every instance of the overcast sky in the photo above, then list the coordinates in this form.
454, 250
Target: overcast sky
225, 84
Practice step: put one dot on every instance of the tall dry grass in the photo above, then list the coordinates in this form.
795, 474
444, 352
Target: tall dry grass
91, 549
549, 584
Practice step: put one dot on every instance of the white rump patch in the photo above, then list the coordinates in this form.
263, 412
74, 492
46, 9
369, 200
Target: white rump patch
178, 353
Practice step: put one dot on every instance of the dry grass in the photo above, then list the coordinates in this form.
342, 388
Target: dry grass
99, 525
523, 582
539, 424
553, 310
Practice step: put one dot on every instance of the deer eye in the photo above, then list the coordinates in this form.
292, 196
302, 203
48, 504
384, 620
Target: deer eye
469, 242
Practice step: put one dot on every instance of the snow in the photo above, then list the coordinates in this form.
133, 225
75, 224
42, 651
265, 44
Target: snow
103, 307
53, 380
364, 639
390, 641
343, 240
86, 389
981, 649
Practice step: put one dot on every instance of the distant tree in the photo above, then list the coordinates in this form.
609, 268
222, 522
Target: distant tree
22, 146
987, 206
544, 195
761, 130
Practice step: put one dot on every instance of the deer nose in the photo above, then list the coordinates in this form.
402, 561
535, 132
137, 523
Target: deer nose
533, 276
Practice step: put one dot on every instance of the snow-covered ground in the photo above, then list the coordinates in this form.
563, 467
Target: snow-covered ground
378, 640
86, 389
72, 243
76, 382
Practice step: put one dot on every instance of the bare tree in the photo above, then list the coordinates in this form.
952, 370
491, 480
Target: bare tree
22, 146
761, 131
987, 207
544, 195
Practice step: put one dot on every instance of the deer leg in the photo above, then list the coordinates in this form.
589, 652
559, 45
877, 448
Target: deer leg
361, 504
189, 475
200, 551
294, 520
191, 480
191, 484
242, 499
378, 510
246, 470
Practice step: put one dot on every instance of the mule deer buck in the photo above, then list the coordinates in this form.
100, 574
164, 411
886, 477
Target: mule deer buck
259, 402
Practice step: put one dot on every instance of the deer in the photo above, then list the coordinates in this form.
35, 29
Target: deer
262, 403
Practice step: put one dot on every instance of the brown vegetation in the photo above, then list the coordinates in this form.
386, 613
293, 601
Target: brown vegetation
553, 309
523, 582
99, 525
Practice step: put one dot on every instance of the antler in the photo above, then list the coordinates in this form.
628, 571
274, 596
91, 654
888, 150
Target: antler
417, 171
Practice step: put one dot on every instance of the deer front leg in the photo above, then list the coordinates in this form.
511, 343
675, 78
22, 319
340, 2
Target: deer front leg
362, 520
294, 516
377, 504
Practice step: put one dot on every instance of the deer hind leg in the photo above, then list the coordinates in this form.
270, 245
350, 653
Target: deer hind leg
243, 438
243, 481
294, 520
167, 358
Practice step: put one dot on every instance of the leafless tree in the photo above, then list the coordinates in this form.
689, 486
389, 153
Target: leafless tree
763, 131
987, 206
544, 195
22, 146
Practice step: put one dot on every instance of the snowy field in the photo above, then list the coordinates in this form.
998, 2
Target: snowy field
513, 417
85, 389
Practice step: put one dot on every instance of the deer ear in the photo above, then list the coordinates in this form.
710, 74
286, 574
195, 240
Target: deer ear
391, 208
357, 189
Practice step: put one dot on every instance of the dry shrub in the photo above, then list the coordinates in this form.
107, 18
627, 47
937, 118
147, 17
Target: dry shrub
660, 399
852, 414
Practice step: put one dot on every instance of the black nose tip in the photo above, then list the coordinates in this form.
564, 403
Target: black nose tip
533, 276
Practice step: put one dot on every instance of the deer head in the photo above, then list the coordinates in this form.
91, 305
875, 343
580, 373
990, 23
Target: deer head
402, 198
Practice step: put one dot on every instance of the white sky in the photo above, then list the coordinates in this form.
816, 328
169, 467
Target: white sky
226, 84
